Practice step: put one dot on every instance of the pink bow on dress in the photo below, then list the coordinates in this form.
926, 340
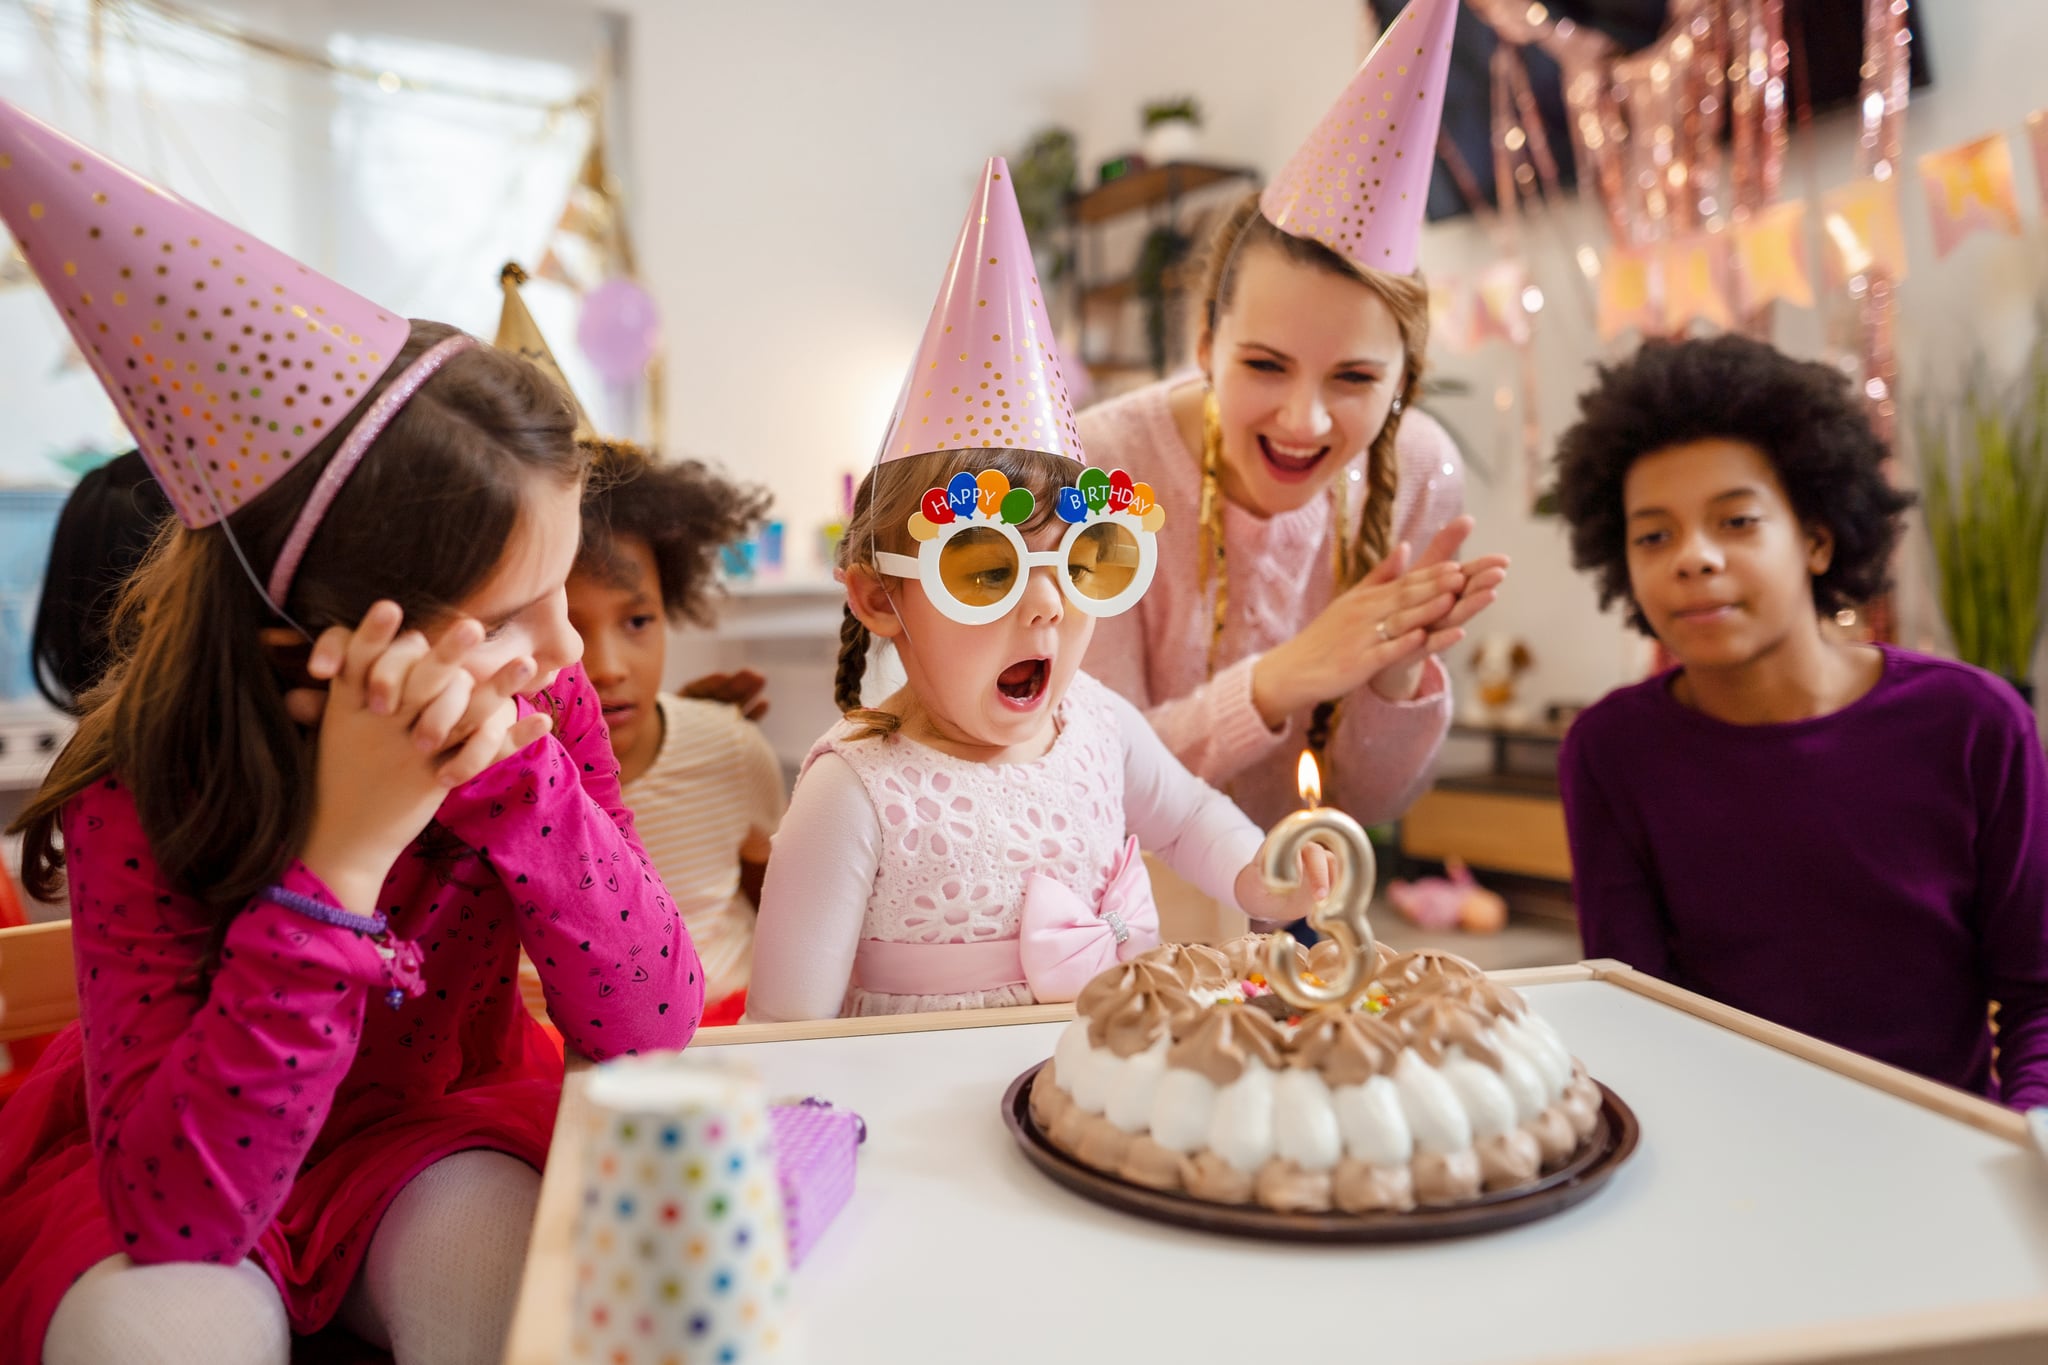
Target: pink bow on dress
1065, 942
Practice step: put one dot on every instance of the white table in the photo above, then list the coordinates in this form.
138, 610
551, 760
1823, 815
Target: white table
1777, 1208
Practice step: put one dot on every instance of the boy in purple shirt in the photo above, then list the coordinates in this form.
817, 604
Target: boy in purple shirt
1850, 840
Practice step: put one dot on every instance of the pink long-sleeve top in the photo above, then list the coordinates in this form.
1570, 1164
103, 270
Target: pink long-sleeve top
889, 841
279, 1111
1279, 581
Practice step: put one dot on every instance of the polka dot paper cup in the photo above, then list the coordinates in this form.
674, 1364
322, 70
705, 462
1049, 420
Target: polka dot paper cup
680, 1252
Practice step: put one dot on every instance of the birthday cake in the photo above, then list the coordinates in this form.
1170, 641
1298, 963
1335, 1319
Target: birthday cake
1184, 1070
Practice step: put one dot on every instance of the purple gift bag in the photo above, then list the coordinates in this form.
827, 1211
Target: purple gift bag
814, 1158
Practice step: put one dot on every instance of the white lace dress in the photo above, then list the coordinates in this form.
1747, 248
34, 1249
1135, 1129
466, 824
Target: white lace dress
890, 842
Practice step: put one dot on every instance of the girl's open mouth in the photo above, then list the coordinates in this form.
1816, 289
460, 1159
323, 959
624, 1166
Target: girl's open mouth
1022, 684
1290, 463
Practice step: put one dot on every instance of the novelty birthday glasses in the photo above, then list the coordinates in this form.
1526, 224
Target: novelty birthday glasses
974, 564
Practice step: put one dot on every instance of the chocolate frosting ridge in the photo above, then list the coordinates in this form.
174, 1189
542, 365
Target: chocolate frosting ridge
1199, 966
1410, 969
1133, 1005
1346, 1047
1325, 960
1438, 1013
1484, 995
1225, 1039
1246, 954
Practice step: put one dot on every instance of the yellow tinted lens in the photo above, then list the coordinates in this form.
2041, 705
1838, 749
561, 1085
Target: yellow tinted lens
1103, 561
978, 566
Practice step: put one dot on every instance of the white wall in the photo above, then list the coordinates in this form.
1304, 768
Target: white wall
800, 172
1264, 73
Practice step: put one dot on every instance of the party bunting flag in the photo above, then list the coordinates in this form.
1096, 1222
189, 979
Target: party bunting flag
1497, 312
1628, 294
1770, 257
1696, 282
1969, 189
551, 268
1860, 222
1450, 315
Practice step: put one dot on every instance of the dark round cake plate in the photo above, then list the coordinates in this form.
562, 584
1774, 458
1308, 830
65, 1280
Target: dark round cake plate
1613, 1141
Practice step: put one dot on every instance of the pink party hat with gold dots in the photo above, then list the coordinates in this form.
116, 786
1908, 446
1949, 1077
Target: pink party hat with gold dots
988, 372
1359, 183
227, 359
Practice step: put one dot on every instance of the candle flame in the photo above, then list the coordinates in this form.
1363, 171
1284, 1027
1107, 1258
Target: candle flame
1308, 778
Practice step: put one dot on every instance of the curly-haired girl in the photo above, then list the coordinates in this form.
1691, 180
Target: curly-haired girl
704, 786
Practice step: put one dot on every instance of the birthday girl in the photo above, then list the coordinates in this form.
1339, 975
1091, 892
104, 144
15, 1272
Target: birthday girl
973, 840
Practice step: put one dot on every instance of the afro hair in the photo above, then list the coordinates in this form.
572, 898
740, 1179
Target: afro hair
684, 512
1802, 416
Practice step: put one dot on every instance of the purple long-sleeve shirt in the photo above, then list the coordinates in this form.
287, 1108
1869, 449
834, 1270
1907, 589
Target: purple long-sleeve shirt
1874, 877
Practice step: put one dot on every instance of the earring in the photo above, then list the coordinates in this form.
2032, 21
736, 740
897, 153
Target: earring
1395, 411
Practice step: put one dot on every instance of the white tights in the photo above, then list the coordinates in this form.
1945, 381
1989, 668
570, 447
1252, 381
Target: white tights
436, 1288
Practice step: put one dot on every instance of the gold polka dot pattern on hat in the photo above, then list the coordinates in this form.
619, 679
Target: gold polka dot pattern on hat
224, 376
1356, 163
1007, 388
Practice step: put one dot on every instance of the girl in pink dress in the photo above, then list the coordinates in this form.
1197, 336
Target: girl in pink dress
303, 1085
973, 840
1323, 580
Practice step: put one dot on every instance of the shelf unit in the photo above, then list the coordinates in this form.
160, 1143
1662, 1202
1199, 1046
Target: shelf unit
1099, 291
1152, 186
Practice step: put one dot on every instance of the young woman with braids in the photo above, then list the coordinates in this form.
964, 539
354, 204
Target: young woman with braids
1325, 579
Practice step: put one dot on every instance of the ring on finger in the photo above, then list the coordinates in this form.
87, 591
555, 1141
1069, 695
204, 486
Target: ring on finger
1381, 631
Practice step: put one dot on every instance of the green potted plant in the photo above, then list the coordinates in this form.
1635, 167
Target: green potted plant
1984, 477
1172, 128
1163, 249
1043, 175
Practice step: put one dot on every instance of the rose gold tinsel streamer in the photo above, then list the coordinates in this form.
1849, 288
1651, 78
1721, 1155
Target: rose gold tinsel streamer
1887, 84
1647, 128
1522, 165
1756, 98
1671, 93
1482, 321
1756, 106
1582, 56
1887, 75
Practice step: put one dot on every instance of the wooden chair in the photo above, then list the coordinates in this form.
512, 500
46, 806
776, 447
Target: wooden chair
38, 993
